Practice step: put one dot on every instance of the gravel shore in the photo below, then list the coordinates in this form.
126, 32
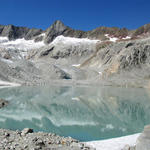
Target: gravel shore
28, 140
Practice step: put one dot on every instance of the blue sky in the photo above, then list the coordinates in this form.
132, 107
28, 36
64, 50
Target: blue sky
78, 14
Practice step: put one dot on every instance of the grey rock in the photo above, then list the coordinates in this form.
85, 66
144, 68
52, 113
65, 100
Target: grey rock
46, 52
127, 147
129, 44
60, 73
13, 32
141, 30
55, 30
143, 142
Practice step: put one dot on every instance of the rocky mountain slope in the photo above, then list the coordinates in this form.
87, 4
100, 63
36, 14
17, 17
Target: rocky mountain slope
101, 56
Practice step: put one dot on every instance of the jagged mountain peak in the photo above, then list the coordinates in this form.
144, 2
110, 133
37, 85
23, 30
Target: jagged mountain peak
142, 30
57, 25
59, 22
14, 32
56, 29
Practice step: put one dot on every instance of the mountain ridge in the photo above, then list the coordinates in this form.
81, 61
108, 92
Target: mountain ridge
58, 28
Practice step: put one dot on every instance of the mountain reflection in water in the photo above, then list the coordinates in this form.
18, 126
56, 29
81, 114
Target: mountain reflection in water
83, 112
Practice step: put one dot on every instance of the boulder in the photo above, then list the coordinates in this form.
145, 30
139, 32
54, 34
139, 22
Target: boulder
26, 131
143, 142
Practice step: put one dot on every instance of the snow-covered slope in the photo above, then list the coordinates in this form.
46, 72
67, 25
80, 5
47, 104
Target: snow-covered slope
69, 48
115, 143
20, 45
73, 41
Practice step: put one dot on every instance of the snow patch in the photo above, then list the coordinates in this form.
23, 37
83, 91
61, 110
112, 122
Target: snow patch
43, 34
71, 40
112, 39
6, 60
126, 38
3, 39
100, 73
76, 65
21, 44
115, 143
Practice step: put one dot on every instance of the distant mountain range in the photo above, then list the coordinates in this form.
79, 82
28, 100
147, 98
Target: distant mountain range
58, 28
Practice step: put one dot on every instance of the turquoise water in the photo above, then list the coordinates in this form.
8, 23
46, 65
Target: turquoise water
85, 113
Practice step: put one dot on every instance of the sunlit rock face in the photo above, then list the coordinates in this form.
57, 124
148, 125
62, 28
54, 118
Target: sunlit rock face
69, 48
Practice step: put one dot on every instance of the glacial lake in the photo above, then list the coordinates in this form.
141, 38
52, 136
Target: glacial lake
82, 112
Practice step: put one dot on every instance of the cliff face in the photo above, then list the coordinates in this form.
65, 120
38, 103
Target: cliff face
125, 62
13, 32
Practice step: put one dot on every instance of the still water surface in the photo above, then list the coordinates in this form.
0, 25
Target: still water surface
85, 113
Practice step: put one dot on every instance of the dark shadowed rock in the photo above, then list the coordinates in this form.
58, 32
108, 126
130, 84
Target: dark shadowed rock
3, 103
61, 74
13, 32
58, 28
46, 52
33, 33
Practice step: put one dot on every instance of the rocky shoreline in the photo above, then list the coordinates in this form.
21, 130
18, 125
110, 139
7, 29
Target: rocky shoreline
28, 140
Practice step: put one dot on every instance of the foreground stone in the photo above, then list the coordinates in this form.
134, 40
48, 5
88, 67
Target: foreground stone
143, 142
27, 140
3, 103
127, 147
